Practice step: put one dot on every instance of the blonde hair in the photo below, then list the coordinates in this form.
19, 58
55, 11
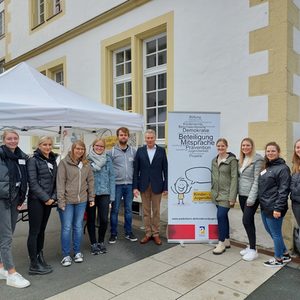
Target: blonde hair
295, 160
242, 155
44, 139
83, 158
99, 140
6, 132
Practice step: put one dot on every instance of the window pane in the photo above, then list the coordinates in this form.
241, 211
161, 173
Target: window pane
120, 57
151, 61
162, 97
162, 81
151, 83
128, 54
128, 88
128, 103
120, 90
151, 99
161, 131
151, 47
120, 103
162, 113
128, 68
162, 58
162, 43
151, 115
120, 70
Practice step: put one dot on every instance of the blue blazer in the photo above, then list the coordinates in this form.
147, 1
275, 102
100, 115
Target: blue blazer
155, 173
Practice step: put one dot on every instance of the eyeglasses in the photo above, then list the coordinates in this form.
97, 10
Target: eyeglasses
99, 146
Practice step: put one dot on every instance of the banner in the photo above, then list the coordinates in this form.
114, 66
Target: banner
191, 147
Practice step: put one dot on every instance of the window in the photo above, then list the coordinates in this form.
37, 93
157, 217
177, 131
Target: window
58, 76
2, 30
44, 10
122, 79
2, 62
155, 83
55, 70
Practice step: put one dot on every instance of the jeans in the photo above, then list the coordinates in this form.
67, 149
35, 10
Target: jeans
223, 222
8, 221
122, 191
38, 214
102, 207
248, 220
71, 222
273, 227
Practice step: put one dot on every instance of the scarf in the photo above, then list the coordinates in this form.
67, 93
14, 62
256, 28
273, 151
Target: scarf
17, 174
97, 160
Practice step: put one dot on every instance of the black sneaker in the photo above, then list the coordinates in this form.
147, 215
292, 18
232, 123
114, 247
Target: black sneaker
131, 237
112, 239
286, 258
273, 263
95, 249
102, 248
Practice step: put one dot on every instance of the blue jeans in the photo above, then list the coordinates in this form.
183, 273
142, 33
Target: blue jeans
122, 191
71, 219
273, 227
223, 222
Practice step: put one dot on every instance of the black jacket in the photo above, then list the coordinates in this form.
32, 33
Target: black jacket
42, 177
8, 189
274, 187
155, 173
295, 188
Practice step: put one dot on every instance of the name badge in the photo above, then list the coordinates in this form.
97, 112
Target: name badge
50, 166
263, 172
130, 159
22, 162
80, 165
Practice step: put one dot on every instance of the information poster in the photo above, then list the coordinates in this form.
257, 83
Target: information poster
191, 148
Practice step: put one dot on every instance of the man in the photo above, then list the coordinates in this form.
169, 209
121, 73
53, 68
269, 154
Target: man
150, 178
122, 157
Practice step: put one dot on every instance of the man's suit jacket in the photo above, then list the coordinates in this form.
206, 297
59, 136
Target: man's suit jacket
155, 173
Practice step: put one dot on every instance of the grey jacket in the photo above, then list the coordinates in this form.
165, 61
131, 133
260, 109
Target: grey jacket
248, 179
123, 164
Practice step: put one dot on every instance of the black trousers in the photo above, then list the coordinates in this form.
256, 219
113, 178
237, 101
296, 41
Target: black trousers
100, 209
296, 211
248, 220
38, 214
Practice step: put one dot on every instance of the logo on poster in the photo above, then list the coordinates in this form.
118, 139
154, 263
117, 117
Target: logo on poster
202, 230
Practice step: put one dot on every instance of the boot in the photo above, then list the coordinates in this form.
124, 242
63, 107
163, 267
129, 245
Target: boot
220, 248
37, 269
41, 260
227, 243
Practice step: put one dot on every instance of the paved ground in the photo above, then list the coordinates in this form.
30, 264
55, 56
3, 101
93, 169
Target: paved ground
133, 271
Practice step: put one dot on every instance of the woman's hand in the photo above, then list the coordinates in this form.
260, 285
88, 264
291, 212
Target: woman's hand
276, 214
49, 202
91, 203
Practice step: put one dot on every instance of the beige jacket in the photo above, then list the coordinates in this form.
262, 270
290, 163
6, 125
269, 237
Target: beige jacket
74, 184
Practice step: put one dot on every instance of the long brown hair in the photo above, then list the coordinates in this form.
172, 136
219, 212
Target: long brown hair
295, 160
242, 155
83, 158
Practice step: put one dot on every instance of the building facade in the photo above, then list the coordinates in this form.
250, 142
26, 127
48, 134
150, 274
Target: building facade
237, 57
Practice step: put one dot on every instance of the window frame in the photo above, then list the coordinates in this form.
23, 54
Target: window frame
2, 23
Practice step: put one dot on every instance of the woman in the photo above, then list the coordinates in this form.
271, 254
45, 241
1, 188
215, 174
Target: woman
250, 165
42, 169
104, 178
13, 186
295, 182
273, 190
224, 190
75, 186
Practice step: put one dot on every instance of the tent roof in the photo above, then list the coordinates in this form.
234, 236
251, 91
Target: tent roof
30, 100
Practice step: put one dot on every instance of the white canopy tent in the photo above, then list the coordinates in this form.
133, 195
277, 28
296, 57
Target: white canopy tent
33, 103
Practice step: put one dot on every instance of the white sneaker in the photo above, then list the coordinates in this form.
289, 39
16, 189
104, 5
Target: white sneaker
17, 280
244, 251
78, 258
220, 248
3, 273
250, 255
66, 261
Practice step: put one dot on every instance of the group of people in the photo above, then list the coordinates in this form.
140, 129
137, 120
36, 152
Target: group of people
84, 181
267, 182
